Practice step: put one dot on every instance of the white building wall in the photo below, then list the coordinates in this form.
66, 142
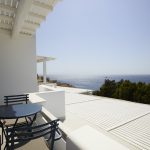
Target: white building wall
17, 65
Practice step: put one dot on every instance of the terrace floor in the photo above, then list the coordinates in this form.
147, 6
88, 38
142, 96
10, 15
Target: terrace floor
43, 143
124, 121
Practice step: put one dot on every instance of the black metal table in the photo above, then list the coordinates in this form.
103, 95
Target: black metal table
19, 111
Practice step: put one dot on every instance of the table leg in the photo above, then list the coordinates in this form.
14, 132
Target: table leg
34, 118
15, 123
0, 142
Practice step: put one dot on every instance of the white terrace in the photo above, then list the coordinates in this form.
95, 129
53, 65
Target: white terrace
102, 123
89, 122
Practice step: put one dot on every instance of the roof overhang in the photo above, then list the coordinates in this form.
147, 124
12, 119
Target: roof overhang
23, 16
43, 59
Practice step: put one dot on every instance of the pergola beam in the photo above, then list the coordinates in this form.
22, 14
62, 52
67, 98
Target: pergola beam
23, 16
42, 59
36, 18
22, 11
29, 29
29, 23
5, 26
36, 15
7, 8
43, 5
7, 18
5, 31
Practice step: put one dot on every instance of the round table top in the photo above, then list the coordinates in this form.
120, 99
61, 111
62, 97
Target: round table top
19, 111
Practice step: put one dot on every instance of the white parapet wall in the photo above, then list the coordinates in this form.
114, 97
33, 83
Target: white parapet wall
60, 144
88, 138
49, 87
53, 101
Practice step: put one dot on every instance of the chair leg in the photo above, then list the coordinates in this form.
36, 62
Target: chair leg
52, 144
3, 135
52, 140
7, 146
2, 139
0, 142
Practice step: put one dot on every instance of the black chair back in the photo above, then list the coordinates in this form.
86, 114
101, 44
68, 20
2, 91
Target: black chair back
19, 135
16, 99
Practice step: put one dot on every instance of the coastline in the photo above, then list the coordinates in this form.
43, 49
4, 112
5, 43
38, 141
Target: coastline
95, 82
58, 83
92, 82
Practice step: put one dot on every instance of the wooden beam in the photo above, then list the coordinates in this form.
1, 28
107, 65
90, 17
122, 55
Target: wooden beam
32, 14
7, 18
27, 28
43, 5
36, 18
5, 31
31, 24
26, 33
22, 11
7, 8
55, 1
5, 26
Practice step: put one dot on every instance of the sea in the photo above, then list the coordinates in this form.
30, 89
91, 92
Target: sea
95, 82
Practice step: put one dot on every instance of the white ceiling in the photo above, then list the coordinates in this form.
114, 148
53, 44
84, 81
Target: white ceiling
23, 16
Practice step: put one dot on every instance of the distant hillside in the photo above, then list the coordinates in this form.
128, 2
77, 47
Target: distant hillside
48, 80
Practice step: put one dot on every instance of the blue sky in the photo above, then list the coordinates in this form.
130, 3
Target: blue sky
97, 37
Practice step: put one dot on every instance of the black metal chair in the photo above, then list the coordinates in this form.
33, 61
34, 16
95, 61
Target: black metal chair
27, 137
14, 100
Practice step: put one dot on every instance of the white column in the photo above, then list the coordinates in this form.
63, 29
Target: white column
44, 71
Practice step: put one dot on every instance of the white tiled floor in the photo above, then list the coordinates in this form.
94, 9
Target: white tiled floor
123, 119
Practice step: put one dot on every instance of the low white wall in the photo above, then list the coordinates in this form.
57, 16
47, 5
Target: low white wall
53, 107
60, 144
55, 103
88, 138
17, 65
42, 88
48, 87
